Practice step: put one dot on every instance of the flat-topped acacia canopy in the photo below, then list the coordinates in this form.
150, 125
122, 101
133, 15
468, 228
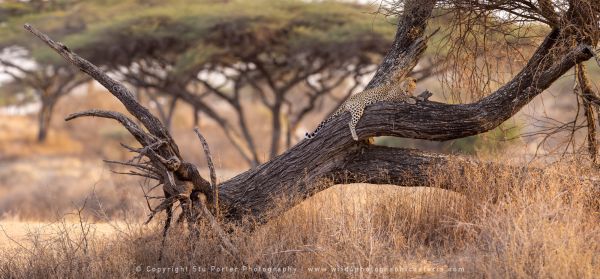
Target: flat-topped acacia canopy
333, 156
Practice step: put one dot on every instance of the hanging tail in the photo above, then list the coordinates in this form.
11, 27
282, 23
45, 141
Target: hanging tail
314, 133
322, 124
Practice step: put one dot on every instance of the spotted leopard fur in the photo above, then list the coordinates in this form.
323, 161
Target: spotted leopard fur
396, 91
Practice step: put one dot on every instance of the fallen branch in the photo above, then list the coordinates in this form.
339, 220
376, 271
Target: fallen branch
333, 156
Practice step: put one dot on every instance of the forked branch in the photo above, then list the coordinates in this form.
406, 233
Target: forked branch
333, 156
163, 160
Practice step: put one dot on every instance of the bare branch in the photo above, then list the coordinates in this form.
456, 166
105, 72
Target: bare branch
230, 248
409, 42
213, 173
116, 88
129, 124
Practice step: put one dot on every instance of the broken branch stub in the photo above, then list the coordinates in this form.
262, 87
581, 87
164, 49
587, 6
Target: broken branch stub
334, 155
213, 173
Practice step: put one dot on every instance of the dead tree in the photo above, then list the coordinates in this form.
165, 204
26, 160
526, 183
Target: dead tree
333, 156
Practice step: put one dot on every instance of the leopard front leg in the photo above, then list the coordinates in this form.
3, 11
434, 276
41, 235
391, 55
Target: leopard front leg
356, 115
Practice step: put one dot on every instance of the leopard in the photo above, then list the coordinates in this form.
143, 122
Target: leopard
400, 90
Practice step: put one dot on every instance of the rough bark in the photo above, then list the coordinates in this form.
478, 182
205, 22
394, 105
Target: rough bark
296, 175
588, 95
333, 157
409, 42
297, 171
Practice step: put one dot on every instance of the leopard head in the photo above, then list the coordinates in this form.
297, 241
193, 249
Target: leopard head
409, 85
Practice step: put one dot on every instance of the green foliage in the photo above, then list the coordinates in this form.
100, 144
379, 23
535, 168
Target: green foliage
121, 31
10, 9
58, 18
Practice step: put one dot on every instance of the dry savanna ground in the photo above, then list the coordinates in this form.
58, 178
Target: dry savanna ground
534, 226
501, 224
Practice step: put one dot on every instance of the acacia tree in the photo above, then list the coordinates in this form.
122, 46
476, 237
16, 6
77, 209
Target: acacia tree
49, 83
333, 157
285, 58
48, 77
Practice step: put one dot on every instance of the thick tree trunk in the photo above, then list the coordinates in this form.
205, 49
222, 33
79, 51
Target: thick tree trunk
171, 113
298, 171
44, 118
276, 130
333, 157
409, 42
298, 175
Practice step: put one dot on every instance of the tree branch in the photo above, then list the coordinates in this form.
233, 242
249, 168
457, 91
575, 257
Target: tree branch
129, 124
323, 155
117, 89
213, 173
333, 157
409, 42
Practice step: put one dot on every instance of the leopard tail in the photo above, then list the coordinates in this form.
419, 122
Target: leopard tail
322, 124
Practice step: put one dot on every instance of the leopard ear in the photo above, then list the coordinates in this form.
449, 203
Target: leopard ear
408, 80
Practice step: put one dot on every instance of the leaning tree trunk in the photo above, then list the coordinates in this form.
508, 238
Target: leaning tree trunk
333, 157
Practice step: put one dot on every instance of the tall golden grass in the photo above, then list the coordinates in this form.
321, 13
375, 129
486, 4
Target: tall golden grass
493, 224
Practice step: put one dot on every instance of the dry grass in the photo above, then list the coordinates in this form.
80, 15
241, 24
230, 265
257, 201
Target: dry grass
493, 224
498, 224
40, 181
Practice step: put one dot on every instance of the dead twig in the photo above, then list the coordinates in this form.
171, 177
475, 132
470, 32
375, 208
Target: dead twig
213, 173
164, 205
116, 88
227, 244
